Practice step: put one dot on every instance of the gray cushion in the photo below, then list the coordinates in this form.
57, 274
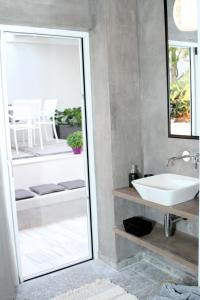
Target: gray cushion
21, 194
73, 184
46, 188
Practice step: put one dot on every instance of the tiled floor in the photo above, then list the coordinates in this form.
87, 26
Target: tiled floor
50, 148
141, 279
53, 246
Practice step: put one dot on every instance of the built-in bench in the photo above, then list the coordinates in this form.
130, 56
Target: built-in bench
51, 199
52, 206
47, 194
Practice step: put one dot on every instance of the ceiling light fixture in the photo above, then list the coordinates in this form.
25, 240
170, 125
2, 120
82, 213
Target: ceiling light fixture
185, 15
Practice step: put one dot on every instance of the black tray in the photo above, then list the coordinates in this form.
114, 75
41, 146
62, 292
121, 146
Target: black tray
138, 226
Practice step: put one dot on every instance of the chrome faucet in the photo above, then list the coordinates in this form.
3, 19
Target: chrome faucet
186, 156
196, 160
170, 221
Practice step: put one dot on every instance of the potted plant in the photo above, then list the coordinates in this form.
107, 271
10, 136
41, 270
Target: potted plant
68, 121
75, 141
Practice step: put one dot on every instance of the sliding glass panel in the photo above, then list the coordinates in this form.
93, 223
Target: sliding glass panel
45, 102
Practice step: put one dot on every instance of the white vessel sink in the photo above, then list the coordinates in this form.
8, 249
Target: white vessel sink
167, 189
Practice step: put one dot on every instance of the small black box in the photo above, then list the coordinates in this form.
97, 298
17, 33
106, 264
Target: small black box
138, 226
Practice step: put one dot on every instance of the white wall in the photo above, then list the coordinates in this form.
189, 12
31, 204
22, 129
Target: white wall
44, 69
64, 168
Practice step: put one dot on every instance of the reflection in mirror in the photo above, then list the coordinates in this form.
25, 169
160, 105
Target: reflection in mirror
182, 88
182, 77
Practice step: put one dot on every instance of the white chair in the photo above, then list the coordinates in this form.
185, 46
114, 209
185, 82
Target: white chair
35, 117
21, 118
48, 116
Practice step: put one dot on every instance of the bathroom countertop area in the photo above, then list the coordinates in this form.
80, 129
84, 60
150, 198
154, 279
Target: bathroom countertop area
189, 209
174, 248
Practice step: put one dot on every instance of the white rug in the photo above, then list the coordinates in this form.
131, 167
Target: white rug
101, 289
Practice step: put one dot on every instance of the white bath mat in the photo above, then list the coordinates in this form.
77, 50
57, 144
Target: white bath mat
101, 289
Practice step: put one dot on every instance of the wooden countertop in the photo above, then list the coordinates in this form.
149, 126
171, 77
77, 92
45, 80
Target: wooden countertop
188, 210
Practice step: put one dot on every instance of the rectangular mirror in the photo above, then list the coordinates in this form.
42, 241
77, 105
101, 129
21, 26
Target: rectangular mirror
181, 54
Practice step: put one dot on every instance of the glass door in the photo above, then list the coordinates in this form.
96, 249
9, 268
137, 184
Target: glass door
46, 120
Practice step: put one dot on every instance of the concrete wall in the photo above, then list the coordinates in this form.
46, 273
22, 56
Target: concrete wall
130, 112
117, 115
124, 87
102, 131
129, 103
70, 14
131, 92
157, 147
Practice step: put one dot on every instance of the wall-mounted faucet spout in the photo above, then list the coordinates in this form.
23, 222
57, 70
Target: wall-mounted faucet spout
186, 156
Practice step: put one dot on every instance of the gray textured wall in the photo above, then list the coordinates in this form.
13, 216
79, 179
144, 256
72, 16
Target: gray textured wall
123, 58
157, 147
129, 95
102, 131
124, 88
70, 14
116, 113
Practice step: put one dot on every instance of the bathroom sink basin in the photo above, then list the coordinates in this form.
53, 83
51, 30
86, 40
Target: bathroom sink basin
167, 189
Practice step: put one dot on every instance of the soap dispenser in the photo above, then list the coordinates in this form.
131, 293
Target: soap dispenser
133, 175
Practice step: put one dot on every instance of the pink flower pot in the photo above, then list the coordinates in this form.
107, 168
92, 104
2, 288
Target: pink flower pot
77, 150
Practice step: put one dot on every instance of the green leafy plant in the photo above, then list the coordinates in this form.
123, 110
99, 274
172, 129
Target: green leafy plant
69, 116
75, 140
180, 102
180, 89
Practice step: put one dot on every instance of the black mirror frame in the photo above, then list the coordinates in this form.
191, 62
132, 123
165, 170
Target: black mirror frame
193, 137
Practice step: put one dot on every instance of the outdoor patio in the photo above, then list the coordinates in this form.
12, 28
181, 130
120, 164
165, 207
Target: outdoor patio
50, 148
53, 246
53, 228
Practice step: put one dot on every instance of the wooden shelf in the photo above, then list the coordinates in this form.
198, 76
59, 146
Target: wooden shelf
189, 209
181, 247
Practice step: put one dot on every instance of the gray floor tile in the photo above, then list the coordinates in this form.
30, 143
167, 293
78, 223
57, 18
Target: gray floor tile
141, 279
49, 286
133, 283
151, 272
148, 293
187, 280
